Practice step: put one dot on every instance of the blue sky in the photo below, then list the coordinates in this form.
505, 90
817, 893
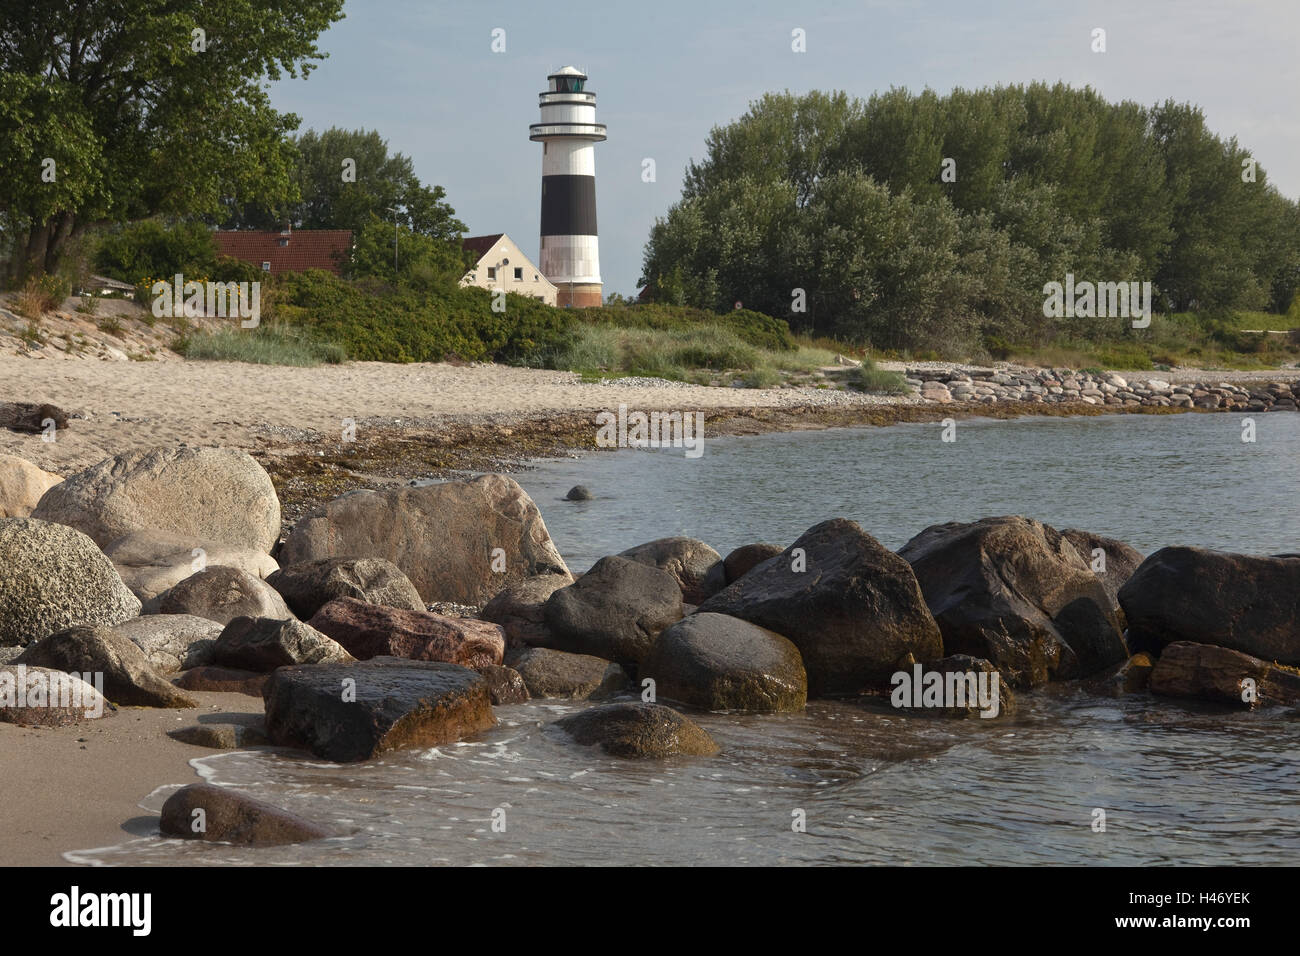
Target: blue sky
424, 75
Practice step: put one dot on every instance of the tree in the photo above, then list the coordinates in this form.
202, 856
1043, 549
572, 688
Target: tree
423, 260
119, 110
344, 178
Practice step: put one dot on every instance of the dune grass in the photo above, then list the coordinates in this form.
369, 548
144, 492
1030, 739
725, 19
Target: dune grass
265, 345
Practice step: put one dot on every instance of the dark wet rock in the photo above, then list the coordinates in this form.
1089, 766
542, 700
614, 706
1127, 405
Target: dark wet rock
1222, 675
851, 606
218, 494
442, 536
552, 673
521, 609
578, 493
1127, 677
1121, 560
747, 557
686, 559
1015, 592
225, 680
351, 712
172, 642
716, 662
47, 697
505, 684
371, 630
220, 736
202, 811
263, 644
306, 588
638, 730
53, 577
1243, 602
128, 676
614, 611
221, 594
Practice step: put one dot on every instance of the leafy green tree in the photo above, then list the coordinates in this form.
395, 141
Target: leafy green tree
346, 177
145, 108
422, 260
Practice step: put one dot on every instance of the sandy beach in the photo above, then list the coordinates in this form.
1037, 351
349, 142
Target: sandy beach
79, 787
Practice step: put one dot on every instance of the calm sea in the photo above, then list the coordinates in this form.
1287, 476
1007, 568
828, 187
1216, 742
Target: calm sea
1177, 782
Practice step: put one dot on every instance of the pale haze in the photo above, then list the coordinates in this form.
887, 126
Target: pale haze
424, 75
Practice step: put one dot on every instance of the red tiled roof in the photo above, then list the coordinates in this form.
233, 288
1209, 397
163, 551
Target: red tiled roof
324, 249
481, 245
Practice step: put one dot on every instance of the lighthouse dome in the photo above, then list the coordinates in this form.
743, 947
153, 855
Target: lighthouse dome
569, 79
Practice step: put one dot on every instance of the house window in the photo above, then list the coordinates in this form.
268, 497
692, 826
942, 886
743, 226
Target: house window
266, 267
519, 274
283, 242
492, 272
535, 277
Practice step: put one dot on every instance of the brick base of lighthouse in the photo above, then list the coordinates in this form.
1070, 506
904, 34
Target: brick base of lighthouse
579, 297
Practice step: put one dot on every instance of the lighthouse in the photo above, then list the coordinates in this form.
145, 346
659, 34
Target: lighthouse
568, 132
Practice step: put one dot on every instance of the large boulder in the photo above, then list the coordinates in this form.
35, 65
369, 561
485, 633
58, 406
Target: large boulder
21, 486
172, 642
1222, 675
1246, 603
201, 811
551, 673
151, 561
1015, 592
505, 684
351, 712
737, 564
851, 606
306, 588
459, 541
956, 686
53, 577
521, 609
1098, 551
638, 730
263, 644
129, 678
221, 594
686, 559
372, 630
716, 662
223, 680
47, 697
217, 494
614, 611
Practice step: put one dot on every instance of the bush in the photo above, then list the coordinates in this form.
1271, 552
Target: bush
40, 294
868, 378
149, 248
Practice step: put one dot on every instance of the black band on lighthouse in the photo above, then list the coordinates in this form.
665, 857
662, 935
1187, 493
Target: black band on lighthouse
568, 205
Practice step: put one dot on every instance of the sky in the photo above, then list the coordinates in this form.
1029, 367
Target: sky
665, 72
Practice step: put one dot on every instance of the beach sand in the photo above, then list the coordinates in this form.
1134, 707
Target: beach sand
130, 405
79, 787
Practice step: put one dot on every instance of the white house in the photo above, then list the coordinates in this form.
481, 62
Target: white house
502, 264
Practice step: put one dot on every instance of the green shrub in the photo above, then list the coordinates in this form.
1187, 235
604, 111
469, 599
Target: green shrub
40, 294
150, 249
868, 378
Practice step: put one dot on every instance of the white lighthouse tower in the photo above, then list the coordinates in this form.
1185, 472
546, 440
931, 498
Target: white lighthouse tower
568, 132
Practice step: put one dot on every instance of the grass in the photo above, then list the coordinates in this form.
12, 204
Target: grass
868, 378
703, 353
265, 345
112, 325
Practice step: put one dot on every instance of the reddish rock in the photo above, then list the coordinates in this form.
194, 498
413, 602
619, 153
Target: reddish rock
371, 630
505, 684
1225, 676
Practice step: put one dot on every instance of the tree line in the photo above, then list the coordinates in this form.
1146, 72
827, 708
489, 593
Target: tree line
916, 220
